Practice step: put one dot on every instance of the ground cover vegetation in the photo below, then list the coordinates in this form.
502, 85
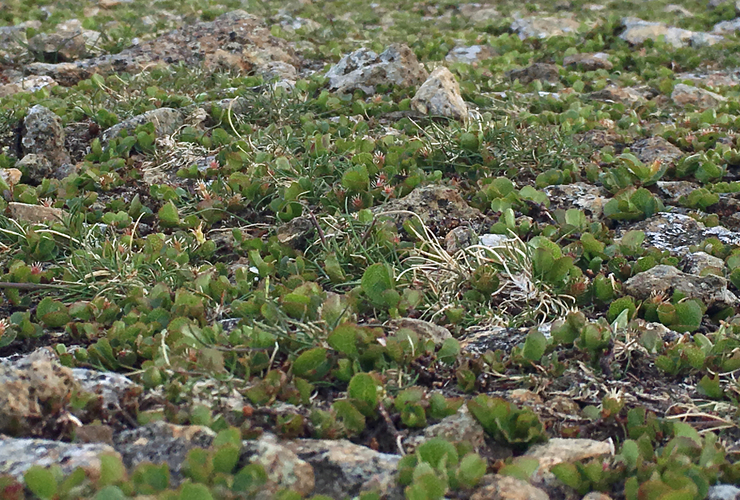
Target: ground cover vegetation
269, 266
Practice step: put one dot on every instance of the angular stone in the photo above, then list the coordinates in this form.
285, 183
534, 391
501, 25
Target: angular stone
431, 203
44, 135
676, 232
26, 84
672, 191
701, 264
710, 289
440, 95
283, 466
637, 31
545, 27
508, 488
537, 71
459, 238
589, 62
161, 442
581, 195
656, 148
37, 167
364, 70
457, 428
35, 214
728, 27
295, 232
166, 122
19, 455
35, 386
424, 329
684, 95
68, 43
626, 95
343, 469
469, 55
559, 450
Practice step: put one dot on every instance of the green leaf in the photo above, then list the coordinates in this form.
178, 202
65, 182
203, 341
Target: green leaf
111, 469
110, 493
192, 491
344, 339
377, 279
225, 458
472, 469
535, 345
168, 215
311, 364
363, 393
350, 416
40, 481
710, 387
449, 351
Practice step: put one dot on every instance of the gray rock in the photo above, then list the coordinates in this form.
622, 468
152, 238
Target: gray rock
656, 148
637, 31
424, 329
559, 450
544, 27
589, 62
478, 13
469, 55
460, 427
161, 442
626, 95
68, 42
440, 95
285, 469
727, 27
431, 203
672, 191
710, 289
111, 388
26, 84
701, 264
343, 469
537, 71
723, 492
684, 95
295, 232
498, 487
678, 9
676, 232
166, 122
35, 214
581, 195
32, 385
36, 166
19, 455
364, 70
459, 238
44, 136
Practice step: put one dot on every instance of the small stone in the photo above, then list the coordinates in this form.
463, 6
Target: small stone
537, 71
44, 136
559, 450
35, 214
727, 27
494, 240
343, 469
637, 31
166, 122
283, 466
589, 62
33, 386
723, 492
469, 55
702, 264
440, 95
94, 433
710, 289
581, 195
656, 148
678, 9
38, 167
545, 27
674, 190
424, 329
11, 176
27, 84
364, 70
684, 95
626, 95
524, 397
459, 238
431, 203
596, 495
295, 232
508, 488
478, 14
19, 455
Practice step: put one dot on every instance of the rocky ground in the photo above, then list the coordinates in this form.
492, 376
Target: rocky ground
346, 250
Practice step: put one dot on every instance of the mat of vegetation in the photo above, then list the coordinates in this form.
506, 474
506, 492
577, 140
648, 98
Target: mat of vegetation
341, 249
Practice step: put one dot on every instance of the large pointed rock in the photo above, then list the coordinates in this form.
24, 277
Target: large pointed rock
440, 95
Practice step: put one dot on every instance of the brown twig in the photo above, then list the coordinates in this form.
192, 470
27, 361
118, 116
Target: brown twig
367, 233
318, 228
